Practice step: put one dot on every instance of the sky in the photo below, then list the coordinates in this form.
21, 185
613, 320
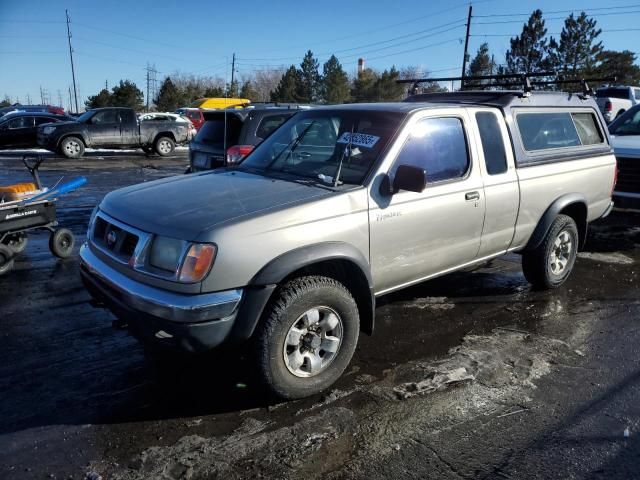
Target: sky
115, 40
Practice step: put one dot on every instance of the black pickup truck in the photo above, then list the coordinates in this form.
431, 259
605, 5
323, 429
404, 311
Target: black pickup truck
112, 127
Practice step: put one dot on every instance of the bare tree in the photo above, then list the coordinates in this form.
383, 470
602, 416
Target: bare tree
266, 81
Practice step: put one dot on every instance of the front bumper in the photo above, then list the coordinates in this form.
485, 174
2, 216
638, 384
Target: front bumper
189, 322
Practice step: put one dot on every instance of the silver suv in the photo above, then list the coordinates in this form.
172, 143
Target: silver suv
341, 205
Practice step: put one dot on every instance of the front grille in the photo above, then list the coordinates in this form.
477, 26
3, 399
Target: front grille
628, 175
114, 239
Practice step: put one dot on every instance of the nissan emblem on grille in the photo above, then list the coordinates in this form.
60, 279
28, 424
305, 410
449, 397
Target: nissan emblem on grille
112, 238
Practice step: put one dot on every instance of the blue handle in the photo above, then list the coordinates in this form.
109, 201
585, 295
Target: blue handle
62, 189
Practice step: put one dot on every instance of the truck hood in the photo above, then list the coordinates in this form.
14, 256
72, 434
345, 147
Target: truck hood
187, 205
626, 145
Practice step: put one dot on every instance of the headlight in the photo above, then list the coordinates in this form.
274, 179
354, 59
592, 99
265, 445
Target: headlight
165, 253
49, 130
197, 262
92, 220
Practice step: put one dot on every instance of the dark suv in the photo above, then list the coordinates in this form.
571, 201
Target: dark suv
245, 128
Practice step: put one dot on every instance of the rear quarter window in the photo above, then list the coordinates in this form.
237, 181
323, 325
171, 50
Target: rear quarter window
558, 130
269, 123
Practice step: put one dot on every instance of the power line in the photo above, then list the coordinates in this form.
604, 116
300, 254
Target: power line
586, 10
554, 18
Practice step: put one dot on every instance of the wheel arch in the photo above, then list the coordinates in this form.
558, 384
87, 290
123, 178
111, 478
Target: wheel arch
573, 205
337, 260
169, 134
79, 136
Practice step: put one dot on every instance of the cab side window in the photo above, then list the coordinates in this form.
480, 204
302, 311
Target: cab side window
439, 146
105, 116
495, 156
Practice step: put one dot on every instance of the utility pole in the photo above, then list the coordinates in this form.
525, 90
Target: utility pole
70, 102
28, 99
106, 84
233, 71
466, 47
59, 98
41, 96
148, 82
73, 72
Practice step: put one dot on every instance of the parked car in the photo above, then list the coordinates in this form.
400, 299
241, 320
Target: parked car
16, 107
111, 127
614, 101
341, 205
625, 138
169, 117
194, 114
245, 129
20, 129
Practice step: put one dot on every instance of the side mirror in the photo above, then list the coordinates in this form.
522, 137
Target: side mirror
410, 178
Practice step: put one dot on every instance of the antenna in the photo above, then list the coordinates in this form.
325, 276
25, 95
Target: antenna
73, 73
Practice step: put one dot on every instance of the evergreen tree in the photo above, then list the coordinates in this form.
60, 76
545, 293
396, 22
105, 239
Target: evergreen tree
617, 64
169, 97
232, 89
577, 50
335, 82
363, 89
310, 81
248, 91
102, 99
6, 102
288, 89
529, 50
214, 92
481, 65
127, 94
387, 89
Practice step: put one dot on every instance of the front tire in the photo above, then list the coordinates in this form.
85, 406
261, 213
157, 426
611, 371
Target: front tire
61, 243
72, 147
550, 264
307, 337
164, 146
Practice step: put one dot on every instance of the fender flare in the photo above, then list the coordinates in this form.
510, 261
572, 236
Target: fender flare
558, 205
72, 134
264, 283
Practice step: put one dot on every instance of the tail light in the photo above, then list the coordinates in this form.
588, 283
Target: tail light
236, 153
607, 106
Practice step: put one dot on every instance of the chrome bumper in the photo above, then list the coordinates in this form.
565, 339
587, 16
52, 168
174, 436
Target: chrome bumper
167, 305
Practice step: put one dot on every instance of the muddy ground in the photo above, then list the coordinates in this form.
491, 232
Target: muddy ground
468, 376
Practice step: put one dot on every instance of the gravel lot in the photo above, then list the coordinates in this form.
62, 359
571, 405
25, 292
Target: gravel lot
472, 375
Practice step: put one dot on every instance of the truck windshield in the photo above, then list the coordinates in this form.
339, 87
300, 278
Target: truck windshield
85, 116
627, 124
319, 144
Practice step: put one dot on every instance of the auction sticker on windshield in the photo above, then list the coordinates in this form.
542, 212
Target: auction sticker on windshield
358, 139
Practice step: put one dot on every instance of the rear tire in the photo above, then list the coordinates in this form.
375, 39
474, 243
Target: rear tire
6, 259
17, 243
72, 147
61, 243
550, 264
307, 336
164, 146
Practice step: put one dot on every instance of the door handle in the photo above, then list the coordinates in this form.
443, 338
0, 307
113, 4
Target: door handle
469, 196
304, 155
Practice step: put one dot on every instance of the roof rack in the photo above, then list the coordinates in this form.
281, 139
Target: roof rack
522, 80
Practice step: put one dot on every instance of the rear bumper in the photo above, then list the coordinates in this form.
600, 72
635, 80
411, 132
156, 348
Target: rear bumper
192, 323
626, 201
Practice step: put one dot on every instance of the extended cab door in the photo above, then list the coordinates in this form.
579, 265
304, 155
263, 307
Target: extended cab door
129, 129
414, 236
104, 128
501, 188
